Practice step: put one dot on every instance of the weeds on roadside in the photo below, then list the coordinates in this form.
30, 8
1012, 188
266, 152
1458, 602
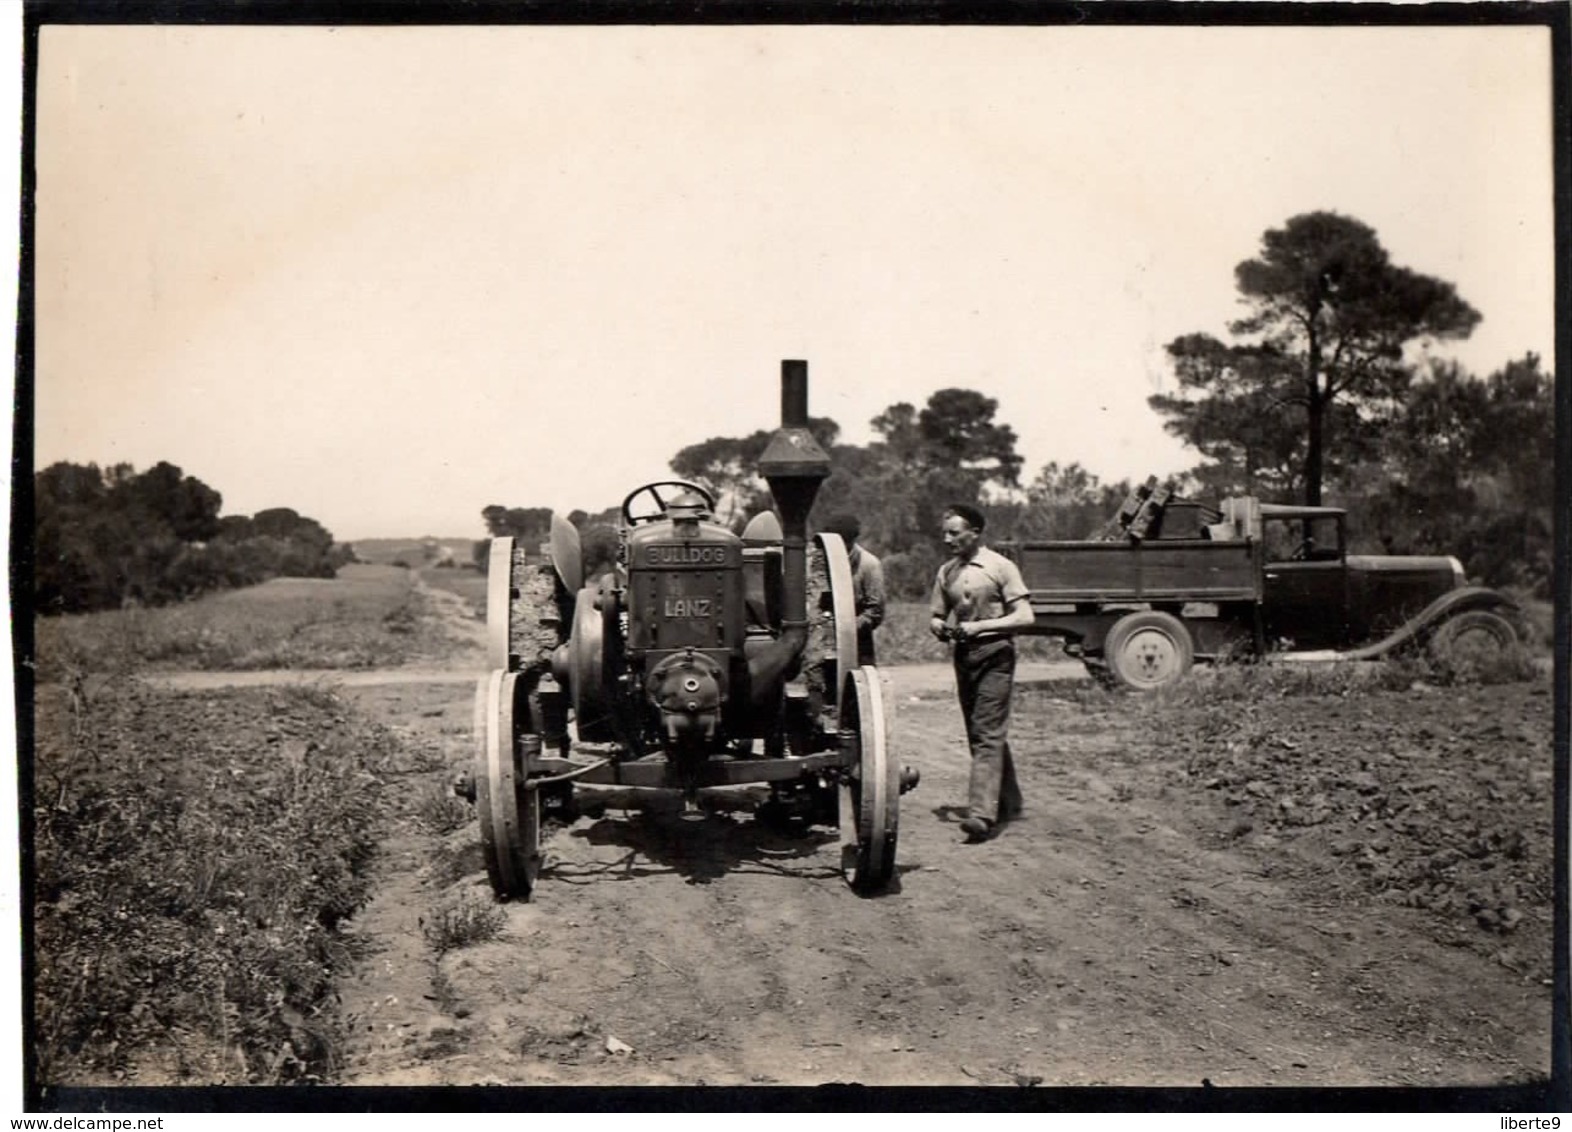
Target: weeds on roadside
458, 923
1248, 682
195, 858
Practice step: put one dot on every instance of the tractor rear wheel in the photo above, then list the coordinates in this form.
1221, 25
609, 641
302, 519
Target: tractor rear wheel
1147, 650
831, 651
871, 794
509, 814
524, 612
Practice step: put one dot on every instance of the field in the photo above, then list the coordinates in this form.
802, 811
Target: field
368, 617
1283, 875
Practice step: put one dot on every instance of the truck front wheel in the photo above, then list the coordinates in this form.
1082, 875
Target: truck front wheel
1474, 637
1147, 650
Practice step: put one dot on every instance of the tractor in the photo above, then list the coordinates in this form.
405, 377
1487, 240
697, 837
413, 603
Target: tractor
703, 659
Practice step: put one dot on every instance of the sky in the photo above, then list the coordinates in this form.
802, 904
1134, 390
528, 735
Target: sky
389, 276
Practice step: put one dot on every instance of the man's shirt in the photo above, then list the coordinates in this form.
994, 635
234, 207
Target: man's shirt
979, 589
868, 589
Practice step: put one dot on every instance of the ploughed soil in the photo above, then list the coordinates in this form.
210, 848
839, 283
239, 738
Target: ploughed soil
1308, 890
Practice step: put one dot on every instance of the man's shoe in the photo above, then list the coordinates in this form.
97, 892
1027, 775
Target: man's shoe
977, 829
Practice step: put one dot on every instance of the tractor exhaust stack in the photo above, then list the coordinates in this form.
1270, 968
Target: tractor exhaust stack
794, 465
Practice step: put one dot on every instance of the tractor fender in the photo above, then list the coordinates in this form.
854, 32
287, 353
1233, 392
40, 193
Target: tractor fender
1418, 627
567, 556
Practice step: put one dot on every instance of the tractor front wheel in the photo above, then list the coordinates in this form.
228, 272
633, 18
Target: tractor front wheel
870, 797
509, 814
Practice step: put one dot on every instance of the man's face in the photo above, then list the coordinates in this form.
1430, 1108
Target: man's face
959, 538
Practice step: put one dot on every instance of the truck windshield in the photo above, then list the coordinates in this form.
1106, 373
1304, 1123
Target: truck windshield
1317, 539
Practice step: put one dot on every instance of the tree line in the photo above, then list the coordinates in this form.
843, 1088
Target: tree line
108, 537
1324, 392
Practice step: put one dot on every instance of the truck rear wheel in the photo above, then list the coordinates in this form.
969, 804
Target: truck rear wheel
1147, 650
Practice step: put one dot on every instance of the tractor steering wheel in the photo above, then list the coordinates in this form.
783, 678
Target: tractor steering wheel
1303, 551
652, 490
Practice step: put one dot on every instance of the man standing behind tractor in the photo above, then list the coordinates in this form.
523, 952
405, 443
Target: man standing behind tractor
979, 601
867, 582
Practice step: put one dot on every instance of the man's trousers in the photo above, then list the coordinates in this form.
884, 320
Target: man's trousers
984, 679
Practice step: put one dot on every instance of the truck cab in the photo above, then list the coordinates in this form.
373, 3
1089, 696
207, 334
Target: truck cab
1304, 577
1315, 595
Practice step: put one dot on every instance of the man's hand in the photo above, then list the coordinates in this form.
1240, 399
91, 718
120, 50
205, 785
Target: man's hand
938, 627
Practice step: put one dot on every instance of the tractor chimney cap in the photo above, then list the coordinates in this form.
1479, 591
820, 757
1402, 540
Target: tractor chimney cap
793, 453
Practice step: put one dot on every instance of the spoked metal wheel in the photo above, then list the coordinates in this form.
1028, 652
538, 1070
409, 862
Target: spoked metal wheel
871, 795
509, 814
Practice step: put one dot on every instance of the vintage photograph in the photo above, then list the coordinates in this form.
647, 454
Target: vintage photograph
777, 554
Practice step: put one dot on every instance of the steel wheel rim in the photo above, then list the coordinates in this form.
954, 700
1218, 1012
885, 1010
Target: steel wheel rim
869, 803
509, 818
843, 602
499, 603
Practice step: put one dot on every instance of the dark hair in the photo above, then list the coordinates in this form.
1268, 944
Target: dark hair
974, 518
843, 524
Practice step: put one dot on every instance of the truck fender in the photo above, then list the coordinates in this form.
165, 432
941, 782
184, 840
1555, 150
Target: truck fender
1418, 627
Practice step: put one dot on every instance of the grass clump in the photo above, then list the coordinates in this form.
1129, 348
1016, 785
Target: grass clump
459, 923
196, 856
440, 811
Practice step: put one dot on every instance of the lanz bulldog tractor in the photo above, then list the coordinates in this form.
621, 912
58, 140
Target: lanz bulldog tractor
704, 659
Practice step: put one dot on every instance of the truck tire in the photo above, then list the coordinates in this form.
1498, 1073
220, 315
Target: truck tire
1147, 650
1474, 637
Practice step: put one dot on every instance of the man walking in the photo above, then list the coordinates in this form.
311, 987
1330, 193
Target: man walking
867, 582
979, 602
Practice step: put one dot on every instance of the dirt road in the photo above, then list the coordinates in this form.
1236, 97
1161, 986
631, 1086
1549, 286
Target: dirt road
1119, 934
1255, 887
